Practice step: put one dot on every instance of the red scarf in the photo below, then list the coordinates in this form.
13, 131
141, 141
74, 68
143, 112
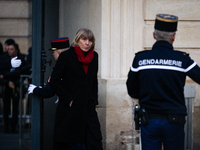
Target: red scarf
85, 60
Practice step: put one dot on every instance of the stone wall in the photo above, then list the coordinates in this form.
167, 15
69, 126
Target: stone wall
15, 22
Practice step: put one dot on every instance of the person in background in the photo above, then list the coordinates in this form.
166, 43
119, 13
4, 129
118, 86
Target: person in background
58, 45
157, 78
11, 90
4, 55
1, 48
7, 43
13, 63
76, 119
27, 68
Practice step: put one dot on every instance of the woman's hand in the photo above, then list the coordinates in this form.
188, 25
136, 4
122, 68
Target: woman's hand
70, 104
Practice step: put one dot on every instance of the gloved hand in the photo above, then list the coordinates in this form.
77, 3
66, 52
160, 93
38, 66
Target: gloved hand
31, 88
15, 62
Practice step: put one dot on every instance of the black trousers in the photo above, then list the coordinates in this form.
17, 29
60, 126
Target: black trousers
8, 94
90, 143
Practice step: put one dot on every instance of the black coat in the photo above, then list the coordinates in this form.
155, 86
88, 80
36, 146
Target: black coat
76, 86
44, 92
5, 65
15, 74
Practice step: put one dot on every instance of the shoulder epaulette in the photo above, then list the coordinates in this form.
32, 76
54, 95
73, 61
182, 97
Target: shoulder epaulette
141, 52
49, 79
184, 53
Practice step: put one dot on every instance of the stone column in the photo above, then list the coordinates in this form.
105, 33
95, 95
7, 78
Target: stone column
122, 28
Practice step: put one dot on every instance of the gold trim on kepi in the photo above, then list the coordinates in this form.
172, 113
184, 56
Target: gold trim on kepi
166, 22
168, 18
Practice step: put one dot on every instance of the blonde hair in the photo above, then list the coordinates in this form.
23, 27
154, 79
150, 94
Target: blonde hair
84, 33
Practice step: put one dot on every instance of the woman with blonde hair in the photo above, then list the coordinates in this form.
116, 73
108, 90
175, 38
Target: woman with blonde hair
74, 80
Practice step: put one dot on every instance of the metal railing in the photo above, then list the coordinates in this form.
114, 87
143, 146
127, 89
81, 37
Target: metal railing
24, 115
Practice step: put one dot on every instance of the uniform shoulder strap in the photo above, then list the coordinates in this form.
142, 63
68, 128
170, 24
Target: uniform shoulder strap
141, 52
49, 79
184, 53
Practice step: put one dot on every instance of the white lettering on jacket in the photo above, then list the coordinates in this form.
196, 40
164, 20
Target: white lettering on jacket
160, 62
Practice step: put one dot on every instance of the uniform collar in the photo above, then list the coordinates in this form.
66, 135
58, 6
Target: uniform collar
163, 44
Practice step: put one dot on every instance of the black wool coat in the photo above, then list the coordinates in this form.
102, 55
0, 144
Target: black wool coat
70, 83
5, 65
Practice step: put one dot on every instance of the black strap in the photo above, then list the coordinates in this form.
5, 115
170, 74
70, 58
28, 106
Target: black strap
172, 118
156, 116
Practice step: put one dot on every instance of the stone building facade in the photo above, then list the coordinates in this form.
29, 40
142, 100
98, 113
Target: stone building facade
121, 28
16, 23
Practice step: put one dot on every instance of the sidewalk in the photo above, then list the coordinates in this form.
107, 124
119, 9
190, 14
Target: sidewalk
11, 141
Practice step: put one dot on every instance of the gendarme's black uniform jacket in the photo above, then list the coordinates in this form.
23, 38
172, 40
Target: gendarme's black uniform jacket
76, 86
44, 92
157, 78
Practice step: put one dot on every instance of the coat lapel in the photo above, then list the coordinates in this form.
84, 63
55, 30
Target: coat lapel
91, 65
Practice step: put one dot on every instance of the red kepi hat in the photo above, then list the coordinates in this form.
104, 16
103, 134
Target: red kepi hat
59, 43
